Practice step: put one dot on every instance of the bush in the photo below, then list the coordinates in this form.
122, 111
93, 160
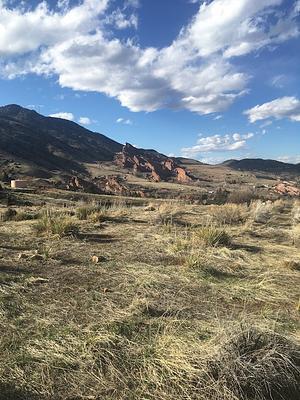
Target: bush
11, 214
61, 226
230, 214
241, 197
212, 236
26, 216
8, 214
168, 214
254, 364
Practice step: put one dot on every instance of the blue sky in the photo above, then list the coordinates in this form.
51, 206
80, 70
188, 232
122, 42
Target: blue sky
211, 80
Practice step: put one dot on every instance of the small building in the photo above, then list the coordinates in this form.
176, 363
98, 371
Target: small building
19, 184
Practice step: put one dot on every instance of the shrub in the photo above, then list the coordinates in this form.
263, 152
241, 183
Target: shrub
241, 196
9, 214
26, 216
168, 214
61, 226
230, 214
261, 212
279, 205
255, 364
212, 236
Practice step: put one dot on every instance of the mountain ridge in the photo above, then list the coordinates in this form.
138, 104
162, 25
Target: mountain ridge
49, 145
261, 164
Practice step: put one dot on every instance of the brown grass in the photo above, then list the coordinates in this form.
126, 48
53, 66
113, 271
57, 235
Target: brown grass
55, 225
147, 321
230, 214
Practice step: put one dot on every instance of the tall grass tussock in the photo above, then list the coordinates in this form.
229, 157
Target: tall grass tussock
254, 364
230, 214
211, 235
56, 225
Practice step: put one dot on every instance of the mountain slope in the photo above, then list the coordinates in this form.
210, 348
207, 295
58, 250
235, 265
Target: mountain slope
259, 164
50, 144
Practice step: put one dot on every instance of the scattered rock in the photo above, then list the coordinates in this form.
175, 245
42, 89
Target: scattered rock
95, 259
37, 280
98, 259
23, 256
149, 208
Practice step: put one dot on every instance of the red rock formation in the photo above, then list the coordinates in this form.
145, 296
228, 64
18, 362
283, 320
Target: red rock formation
156, 165
182, 175
112, 184
77, 183
170, 165
155, 177
287, 189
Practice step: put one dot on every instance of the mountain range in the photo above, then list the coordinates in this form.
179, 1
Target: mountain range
34, 145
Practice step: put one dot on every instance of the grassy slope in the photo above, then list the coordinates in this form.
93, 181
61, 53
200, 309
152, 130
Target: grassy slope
150, 320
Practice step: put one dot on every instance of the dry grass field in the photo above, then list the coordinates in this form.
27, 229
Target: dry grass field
152, 300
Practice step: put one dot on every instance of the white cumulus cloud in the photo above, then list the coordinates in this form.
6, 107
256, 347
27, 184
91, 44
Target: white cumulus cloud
228, 142
63, 115
84, 121
124, 121
284, 107
194, 72
121, 21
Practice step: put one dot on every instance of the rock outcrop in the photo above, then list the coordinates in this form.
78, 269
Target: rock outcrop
112, 184
75, 183
287, 189
157, 166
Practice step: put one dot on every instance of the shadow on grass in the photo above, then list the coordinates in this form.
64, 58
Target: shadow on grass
9, 392
96, 237
17, 248
246, 247
9, 269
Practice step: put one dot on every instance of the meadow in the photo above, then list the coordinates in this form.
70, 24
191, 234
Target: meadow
111, 298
